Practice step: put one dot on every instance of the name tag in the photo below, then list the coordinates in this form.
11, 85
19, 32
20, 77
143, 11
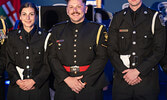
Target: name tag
59, 41
123, 30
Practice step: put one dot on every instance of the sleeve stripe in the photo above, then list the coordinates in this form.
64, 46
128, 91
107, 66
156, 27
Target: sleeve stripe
98, 34
46, 41
153, 22
4, 27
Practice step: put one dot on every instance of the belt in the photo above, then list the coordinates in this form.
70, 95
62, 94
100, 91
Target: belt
76, 68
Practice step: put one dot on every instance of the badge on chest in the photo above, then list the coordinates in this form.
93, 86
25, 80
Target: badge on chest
123, 30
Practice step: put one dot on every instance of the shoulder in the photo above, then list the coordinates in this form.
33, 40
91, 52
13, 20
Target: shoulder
152, 11
95, 24
121, 12
13, 32
42, 31
60, 24
58, 27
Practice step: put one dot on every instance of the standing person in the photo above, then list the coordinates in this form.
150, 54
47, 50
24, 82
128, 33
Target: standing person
25, 59
77, 55
3, 31
135, 46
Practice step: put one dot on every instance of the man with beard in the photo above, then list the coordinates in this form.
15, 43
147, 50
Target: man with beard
77, 55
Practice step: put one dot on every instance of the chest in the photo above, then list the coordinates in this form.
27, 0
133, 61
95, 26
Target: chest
80, 38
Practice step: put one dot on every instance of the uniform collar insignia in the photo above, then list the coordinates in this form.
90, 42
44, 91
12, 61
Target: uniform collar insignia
145, 12
124, 12
39, 32
19, 31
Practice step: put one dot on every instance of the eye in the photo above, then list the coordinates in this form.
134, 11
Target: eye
23, 14
32, 14
79, 6
70, 7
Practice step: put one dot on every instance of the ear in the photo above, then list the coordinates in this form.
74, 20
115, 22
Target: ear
20, 17
86, 9
67, 10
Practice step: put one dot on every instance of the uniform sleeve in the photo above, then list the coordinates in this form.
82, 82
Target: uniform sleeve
96, 69
113, 49
57, 68
11, 67
158, 48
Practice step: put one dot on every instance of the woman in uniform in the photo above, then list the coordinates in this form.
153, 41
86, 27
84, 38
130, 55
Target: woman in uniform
26, 66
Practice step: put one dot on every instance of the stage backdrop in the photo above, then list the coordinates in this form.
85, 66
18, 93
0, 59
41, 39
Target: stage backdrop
110, 5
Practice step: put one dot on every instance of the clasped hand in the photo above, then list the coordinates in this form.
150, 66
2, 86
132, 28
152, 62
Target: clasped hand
26, 84
75, 83
132, 76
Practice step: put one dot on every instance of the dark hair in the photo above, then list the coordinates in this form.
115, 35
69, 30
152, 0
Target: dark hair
84, 1
28, 4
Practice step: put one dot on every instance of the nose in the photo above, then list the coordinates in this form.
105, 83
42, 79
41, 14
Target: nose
75, 9
28, 17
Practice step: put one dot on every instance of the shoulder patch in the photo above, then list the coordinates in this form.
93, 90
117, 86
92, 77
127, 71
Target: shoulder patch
161, 18
105, 36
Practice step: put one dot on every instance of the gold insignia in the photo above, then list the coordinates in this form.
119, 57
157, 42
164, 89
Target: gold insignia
50, 44
103, 45
106, 36
2, 41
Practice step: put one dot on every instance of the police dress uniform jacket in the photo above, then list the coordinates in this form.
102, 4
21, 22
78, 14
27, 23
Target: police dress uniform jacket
76, 44
142, 48
26, 51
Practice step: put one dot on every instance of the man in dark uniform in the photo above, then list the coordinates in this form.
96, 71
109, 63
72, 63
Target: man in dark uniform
136, 44
3, 30
77, 55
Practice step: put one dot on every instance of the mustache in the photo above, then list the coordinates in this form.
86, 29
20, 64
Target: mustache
75, 13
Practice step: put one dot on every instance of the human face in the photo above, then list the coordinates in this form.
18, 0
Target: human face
28, 17
76, 10
135, 4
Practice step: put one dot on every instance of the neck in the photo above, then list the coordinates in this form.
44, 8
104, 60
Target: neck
28, 29
135, 7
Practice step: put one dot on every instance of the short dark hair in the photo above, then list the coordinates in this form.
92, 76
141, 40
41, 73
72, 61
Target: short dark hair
28, 4
84, 1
